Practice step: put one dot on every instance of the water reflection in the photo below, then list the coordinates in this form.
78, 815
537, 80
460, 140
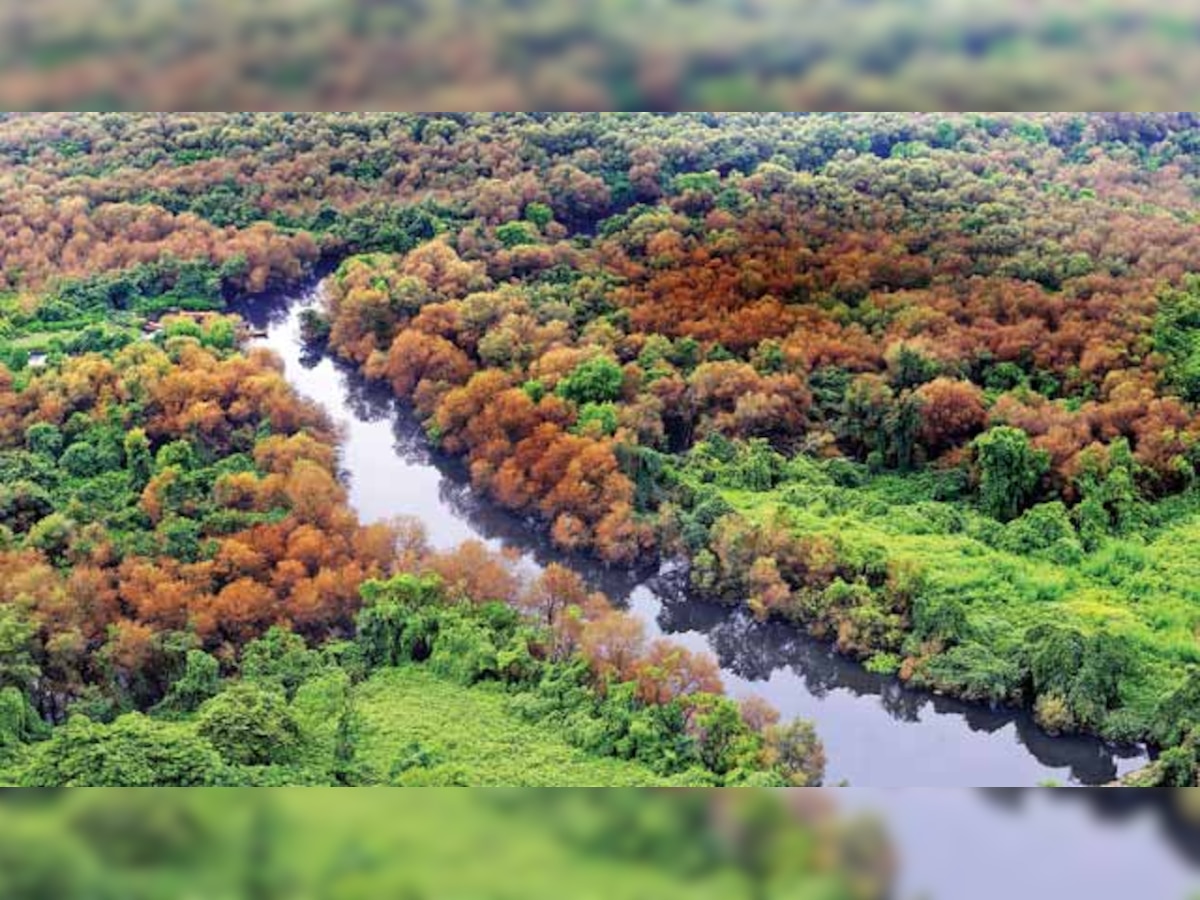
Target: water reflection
995, 844
876, 731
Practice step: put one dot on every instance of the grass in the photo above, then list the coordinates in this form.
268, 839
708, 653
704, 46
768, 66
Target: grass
450, 734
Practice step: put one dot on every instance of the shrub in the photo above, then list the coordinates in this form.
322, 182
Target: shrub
1043, 530
134, 751
1053, 713
250, 725
974, 672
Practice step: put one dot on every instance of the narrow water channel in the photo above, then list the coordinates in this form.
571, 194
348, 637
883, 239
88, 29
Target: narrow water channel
877, 733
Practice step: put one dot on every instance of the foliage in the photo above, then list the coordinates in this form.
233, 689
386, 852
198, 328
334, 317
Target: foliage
250, 725
1009, 470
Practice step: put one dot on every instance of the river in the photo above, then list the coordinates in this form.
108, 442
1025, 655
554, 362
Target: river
876, 732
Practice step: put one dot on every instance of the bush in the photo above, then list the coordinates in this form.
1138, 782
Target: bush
974, 672
1043, 530
199, 682
250, 725
1177, 767
1053, 713
796, 751
134, 751
1009, 470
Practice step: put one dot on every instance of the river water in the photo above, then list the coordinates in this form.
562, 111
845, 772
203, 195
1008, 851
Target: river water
877, 732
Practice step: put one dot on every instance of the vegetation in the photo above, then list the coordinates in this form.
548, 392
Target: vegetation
923, 385
436, 689
273, 844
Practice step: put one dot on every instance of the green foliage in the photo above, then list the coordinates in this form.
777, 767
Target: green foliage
1043, 530
44, 438
1009, 470
392, 626
199, 682
515, 234
1086, 671
596, 381
974, 672
250, 725
138, 459
539, 214
796, 751
23, 504
1176, 767
133, 751
1178, 713
52, 535
281, 660
597, 420
1177, 336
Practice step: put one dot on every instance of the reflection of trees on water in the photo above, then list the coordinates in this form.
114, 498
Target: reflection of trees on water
1175, 811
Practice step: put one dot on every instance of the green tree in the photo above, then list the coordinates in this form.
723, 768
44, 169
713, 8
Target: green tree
133, 751
250, 725
1009, 470
17, 667
514, 234
138, 459
52, 535
539, 214
280, 659
596, 381
200, 681
44, 438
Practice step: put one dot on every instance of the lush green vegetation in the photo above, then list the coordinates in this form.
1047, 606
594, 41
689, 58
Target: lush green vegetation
1101, 638
925, 385
433, 691
82, 845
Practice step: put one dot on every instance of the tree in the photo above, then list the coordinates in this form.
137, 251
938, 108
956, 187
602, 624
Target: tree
138, 459
952, 412
17, 667
250, 725
1010, 470
199, 682
596, 381
44, 438
797, 752
280, 660
133, 751
669, 671
552, 592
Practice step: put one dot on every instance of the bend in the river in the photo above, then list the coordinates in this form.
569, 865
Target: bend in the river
876, 731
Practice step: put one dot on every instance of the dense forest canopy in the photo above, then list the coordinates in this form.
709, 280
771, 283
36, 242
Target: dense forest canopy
924, 385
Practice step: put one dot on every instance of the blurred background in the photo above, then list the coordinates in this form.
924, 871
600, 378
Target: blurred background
599, 54
617, 843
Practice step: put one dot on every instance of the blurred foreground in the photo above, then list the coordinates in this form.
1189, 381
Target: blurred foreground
598, 54
609, 843
429, 843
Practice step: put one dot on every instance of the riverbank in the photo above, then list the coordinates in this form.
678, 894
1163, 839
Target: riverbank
391, 469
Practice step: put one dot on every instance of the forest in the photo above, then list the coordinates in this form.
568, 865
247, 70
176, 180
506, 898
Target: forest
921, 385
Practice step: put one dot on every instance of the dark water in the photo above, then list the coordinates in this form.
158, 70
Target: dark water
877, 733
